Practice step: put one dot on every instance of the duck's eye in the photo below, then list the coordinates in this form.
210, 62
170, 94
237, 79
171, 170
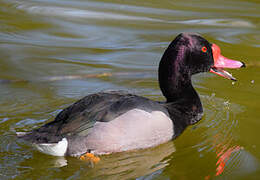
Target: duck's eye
204, 49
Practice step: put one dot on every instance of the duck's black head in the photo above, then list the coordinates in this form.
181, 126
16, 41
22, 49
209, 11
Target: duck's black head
188, 54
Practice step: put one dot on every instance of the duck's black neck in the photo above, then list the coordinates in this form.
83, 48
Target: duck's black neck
182, 101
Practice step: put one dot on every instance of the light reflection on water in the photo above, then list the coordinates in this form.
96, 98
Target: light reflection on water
55, 52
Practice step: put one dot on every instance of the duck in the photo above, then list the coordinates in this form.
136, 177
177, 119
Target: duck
115, 121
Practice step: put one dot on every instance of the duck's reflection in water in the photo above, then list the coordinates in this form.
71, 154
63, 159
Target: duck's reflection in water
134, 164
124, 165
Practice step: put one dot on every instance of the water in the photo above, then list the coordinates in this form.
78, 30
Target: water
54, 52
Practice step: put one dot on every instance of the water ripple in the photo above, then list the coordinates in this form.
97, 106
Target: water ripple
103, 15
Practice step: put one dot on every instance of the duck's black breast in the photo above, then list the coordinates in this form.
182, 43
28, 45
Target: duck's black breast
80, 117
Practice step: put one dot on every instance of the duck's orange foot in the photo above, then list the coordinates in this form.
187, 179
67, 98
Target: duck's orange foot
89, 157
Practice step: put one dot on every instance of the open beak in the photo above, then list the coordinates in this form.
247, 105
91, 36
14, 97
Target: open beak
221, 62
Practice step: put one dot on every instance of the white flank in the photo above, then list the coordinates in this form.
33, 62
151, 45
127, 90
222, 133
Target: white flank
135, 129
55, 149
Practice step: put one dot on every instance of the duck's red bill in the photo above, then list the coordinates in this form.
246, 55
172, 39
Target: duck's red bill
221, 62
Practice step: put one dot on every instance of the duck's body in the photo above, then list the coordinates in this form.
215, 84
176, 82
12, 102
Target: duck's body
116, 121
109, 122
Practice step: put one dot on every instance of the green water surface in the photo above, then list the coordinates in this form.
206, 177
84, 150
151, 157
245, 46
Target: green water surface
54, 52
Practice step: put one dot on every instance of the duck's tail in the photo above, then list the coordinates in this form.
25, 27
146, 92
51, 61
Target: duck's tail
55, 147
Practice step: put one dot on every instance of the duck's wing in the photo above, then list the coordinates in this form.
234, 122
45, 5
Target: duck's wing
79, 118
